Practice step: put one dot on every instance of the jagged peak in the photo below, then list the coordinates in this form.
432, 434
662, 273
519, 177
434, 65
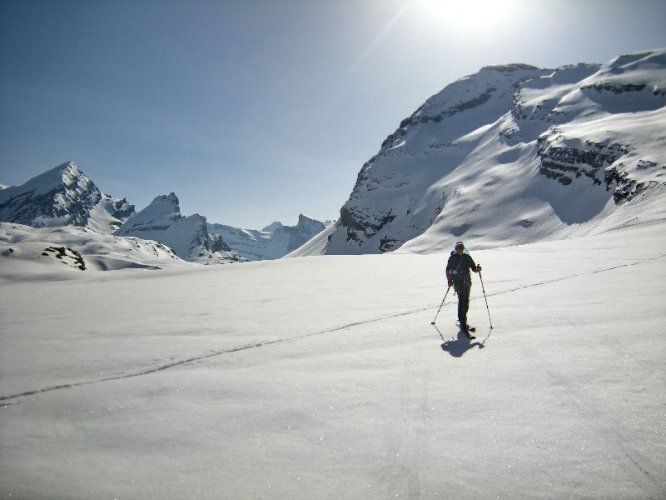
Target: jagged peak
305, 221
68, 166
170, 200
63, 195
62, 177
164, 205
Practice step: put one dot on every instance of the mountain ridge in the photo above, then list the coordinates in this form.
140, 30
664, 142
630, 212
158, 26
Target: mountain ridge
187, 236
63, 197
274, 241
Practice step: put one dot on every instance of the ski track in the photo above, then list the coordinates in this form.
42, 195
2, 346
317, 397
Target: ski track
206, 356
266, 343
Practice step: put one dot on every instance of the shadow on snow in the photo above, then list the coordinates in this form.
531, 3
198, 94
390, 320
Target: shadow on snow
459, 346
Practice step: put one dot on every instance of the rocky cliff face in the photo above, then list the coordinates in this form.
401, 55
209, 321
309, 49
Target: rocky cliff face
302, 232
63, 196
512, 154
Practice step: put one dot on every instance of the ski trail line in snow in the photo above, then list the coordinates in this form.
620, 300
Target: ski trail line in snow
209, 355
572, 276
266, 343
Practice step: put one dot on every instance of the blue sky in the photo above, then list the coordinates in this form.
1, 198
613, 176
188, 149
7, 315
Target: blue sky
258, 110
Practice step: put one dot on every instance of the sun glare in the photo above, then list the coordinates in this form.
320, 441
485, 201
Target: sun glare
466, 16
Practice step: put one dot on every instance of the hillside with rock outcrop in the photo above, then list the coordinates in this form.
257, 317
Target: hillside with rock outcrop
510, 155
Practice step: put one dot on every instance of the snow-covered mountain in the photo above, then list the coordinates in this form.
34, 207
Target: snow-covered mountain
187, 236
509, 155
272, 242
63, 196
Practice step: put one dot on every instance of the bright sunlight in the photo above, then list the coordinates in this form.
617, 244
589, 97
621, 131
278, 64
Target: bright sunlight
469, 17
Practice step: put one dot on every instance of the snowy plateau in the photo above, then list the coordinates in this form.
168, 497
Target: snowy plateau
322, 376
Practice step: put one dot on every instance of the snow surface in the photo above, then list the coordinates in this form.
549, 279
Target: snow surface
322, 377
32, 253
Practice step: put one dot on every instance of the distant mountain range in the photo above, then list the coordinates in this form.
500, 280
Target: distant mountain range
188, 237
272, 242
65, 197
513, 154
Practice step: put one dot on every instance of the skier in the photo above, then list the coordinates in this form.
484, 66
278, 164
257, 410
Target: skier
457, 275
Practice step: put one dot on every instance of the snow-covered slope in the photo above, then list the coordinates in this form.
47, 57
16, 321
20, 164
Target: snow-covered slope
40, 252
323, 378
63, 196
187, 236
272, 242
510, 155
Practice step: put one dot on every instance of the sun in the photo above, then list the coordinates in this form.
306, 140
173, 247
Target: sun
466, 16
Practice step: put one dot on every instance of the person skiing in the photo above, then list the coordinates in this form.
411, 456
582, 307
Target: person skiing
457, 274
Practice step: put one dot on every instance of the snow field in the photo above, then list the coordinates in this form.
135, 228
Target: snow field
322, 377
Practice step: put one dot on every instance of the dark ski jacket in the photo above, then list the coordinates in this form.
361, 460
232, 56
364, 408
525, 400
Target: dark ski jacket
459, 266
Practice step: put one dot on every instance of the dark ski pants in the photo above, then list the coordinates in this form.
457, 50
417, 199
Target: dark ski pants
463, 289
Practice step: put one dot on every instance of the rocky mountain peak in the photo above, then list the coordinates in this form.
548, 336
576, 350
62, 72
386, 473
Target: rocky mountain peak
163, 207
187, 236
63, 196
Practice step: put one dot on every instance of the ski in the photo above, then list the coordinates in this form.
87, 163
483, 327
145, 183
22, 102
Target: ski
468, 331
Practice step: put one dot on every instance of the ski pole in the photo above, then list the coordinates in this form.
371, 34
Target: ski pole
440, 306
486, 299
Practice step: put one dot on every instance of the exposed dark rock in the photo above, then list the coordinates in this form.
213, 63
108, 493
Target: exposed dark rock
564, 164
387, 244
369, 226
615, 88
67, 256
